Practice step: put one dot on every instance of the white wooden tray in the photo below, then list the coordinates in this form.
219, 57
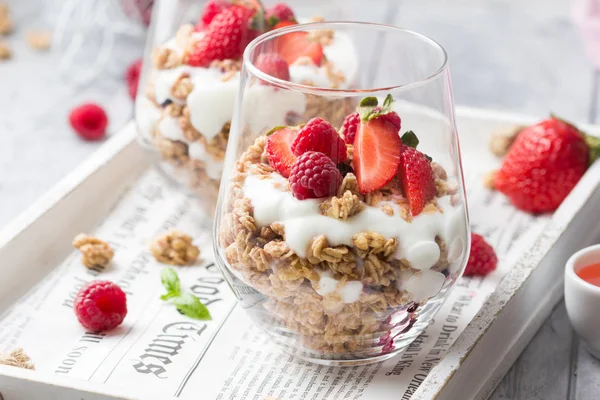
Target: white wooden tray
39, 240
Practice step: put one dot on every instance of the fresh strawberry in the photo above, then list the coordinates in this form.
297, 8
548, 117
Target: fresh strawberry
211, 9
543, 165
377, 146
226, 38
279, 149
294, 45
391, 117
272, 64
482, 258
350, 126
416, 177
278, 13
319, 135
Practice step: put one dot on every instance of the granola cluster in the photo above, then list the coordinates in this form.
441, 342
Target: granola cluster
95, 253
260, 256
17, 358
174, 247
180, 162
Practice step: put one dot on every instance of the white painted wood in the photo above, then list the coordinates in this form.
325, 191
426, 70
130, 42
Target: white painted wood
508, 320
37, 240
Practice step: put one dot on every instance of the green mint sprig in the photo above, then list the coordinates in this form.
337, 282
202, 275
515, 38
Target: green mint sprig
186, 303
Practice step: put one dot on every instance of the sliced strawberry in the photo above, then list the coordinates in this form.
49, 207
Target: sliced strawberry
279, 150
294, 45
417, 179
376, 154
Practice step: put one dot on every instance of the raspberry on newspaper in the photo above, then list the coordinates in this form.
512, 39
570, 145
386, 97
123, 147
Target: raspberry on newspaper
186, 110
345, 245
100, 306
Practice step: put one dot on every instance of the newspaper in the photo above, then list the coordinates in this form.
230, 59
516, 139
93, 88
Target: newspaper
166, 354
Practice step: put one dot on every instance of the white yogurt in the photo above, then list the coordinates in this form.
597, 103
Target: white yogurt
147, 116
213, 166
422, 285
303, 222
349, 292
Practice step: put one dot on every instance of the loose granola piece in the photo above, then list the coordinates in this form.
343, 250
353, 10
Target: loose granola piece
342, 207
488, 180
350, 184
5, 52
17, 358
184, 34
39, 39
501, 140
95, 253
336, 78
323, 36
182, 87
438, 171
319, 251
174, 247
165, 58
6, 22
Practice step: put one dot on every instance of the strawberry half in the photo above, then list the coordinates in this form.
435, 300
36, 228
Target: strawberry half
279, 149
376, 154
294, 45
417, 179
377, 145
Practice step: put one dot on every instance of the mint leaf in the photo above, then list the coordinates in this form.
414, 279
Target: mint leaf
190, 305
410, 139
170, 281
168, 296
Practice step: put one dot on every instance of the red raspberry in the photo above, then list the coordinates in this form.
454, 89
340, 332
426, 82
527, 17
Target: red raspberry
319, 135
314, 175
100, 306
278, 13
482, 259
211, 9
226, 38
350, 127
132, 77
272, 64
391, 117
89, 121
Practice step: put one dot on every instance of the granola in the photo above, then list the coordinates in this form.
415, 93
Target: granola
95, 253
17, 358
174, 247
340, 294
39, 39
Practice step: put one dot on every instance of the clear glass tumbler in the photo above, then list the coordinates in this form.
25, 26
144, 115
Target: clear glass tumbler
187, 91
342, 232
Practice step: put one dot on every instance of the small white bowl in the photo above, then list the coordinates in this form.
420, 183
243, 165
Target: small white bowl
583, 299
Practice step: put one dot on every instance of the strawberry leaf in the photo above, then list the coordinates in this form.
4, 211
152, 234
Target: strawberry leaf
275, 129
593, 143
387, 104
410, 139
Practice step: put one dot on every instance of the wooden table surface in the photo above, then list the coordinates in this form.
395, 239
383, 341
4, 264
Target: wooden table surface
521, 56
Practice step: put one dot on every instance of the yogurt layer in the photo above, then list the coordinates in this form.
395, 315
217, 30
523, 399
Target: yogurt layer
303, 222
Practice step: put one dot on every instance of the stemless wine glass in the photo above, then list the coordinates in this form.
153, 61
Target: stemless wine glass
185, 102
342, 237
